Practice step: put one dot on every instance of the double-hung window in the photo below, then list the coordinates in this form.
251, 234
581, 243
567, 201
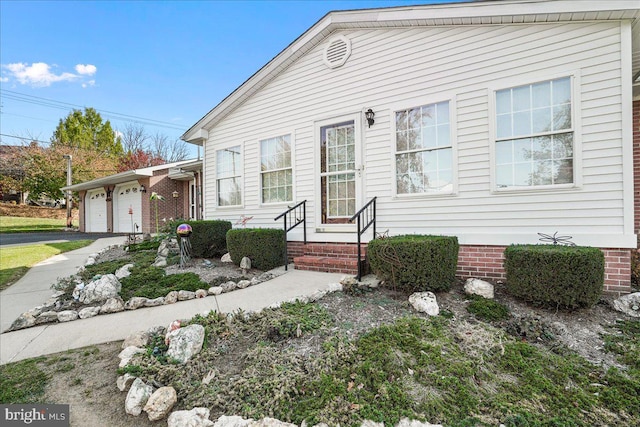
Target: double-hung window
275, 169
229, 176
534, 135
424, 154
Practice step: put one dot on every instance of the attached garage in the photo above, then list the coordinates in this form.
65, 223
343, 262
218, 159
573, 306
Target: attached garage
127, 208
96, 211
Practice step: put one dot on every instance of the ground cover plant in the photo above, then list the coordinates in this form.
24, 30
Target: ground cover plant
15, 261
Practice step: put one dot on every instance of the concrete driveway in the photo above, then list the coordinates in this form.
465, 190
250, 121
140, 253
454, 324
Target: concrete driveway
7, 239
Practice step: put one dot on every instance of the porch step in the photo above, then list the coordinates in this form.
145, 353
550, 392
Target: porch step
327, 264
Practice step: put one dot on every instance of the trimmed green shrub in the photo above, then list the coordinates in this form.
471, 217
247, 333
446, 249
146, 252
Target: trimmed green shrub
208, 239
554, 275
263, 246
415, 262
487, 309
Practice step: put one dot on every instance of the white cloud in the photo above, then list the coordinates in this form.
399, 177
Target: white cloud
86, 70
4, 79
40, 74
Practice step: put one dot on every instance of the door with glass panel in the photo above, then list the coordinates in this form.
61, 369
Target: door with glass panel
339, 172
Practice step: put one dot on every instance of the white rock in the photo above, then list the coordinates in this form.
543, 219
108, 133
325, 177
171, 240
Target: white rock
271, 422
154, 302
160, 262
197, 417
232, 421
369, 423
88, 312
126, 355
229, 286
123, 382
479, 287
160, 403
254, 281
628, 304
226, 258
171, 297
425, 302
135, 303
102, 289
137, 397
67, 316
47, 317
348, 281
335, 287
243, 284
90, 261
245, 263
201, 293
186, 295
215, 290
138, 339
124, 271
405, 422
25, 320
186, 342
77, 291
112, 305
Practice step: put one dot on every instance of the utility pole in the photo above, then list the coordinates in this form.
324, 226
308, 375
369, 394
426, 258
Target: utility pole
68, 192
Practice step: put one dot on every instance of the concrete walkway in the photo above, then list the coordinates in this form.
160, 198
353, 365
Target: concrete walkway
34, 289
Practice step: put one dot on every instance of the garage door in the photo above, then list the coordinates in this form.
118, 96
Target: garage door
96, 211
127, 208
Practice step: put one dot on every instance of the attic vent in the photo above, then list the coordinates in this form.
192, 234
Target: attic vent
337, 52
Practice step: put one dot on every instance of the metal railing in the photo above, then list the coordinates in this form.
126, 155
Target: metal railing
293, 217
364, 218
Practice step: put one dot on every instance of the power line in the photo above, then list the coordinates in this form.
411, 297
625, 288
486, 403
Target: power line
51, 103
25, 138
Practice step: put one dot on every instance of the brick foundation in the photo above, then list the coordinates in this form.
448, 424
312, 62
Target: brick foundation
487, 262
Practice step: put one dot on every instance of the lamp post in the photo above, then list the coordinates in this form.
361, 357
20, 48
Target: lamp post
68, 192
175, 195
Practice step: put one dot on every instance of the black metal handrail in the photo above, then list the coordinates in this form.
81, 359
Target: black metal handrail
366, 216
296, 216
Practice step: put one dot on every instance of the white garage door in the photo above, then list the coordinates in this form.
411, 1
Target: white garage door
127, 208
96, 211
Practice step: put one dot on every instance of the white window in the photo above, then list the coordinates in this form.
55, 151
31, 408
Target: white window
424, 154
534, 135
229, 176
275, 169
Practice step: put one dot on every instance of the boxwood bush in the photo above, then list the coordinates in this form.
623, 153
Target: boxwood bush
415, 262
554, 275
263, 246
209, 238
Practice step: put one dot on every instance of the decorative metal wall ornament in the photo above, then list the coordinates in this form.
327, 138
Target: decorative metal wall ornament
556, 240
184, 231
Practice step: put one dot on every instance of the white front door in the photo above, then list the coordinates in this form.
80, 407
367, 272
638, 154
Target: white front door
340, 177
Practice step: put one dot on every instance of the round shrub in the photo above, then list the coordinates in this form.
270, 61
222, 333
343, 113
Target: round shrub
415, 263
263, 246
554, 275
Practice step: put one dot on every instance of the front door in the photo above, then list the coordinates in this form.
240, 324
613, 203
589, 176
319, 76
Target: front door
339, 171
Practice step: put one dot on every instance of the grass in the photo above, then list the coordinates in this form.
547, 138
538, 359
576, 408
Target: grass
15, 224
15, 261
22, 382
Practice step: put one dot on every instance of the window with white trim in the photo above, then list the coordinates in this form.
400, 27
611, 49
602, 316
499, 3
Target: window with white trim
276, 172
229, 176
534, 135
424, 152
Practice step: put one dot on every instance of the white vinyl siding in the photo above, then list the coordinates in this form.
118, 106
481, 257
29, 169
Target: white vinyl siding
406, 67
276, 169
229, 176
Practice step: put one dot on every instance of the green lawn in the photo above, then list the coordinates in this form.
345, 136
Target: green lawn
16, 260
16, 224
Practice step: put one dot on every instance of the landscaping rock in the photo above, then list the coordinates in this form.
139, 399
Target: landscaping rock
266, 276
254, 281
47, 317
137, 397
243, 284
186, 295
88, 312
185, 342
90, 261
160, 262
124, 271
479, 287
124, 382
425, 302
229, 286
163, 250
272, 422
232, 421
126, 355
215, 290
197, 417
138, 339
245, 264
154, 302
77, 291
405, 422
201, 293
135, 303
25, 320
628, 304
348, 281
226, 258
67, 316
102, 289
160, 403
112, 305
369, 423
171, 298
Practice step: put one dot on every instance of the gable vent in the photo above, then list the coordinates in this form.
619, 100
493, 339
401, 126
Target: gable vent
337, 52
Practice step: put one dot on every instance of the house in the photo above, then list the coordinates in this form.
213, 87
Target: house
121, 203
491, 121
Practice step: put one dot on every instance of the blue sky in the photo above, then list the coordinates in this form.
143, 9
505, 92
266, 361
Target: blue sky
162, 63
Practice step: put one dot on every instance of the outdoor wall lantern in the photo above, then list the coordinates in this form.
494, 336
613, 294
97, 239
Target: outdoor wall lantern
369, 114
142, 188
175, 194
